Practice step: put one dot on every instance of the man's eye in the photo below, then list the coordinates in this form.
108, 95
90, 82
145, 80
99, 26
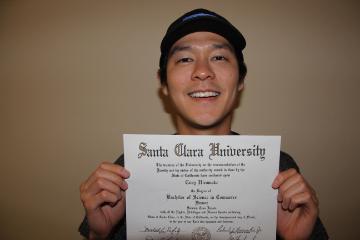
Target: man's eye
184, 60
219, 58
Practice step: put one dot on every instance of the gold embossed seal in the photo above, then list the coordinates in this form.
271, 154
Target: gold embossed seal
201, 233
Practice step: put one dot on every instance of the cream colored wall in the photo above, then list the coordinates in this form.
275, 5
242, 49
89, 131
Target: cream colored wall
76, 75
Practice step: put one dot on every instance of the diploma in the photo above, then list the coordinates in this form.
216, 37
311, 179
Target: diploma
201, 187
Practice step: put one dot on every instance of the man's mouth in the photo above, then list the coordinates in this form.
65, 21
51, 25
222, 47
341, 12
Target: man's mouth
204, 94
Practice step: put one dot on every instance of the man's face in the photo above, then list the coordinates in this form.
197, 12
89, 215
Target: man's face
202, 82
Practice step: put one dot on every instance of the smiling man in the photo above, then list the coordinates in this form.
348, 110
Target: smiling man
201, 71
202, 83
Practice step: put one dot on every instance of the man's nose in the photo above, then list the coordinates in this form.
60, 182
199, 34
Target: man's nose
203, 71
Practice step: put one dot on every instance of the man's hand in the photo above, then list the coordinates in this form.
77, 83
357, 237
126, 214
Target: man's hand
297, 205
103, 197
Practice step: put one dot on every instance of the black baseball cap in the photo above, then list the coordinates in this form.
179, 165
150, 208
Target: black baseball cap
200, 20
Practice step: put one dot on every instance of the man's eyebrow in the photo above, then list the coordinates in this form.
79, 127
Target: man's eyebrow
178, 48
223, 45
187, 47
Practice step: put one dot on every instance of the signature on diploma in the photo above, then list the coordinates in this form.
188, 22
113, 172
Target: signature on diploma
171, 233
161, 229
240, 233
162, 238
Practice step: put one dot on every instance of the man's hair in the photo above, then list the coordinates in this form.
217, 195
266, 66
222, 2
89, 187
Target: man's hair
201, 20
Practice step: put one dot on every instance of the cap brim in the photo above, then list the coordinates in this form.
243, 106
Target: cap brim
205, 24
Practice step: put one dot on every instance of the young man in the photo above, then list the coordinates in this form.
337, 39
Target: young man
201, 72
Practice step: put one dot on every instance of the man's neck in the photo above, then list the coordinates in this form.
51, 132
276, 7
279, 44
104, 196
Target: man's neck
223, 127
219, 130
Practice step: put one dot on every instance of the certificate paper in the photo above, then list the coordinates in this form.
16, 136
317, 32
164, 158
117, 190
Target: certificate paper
201, 187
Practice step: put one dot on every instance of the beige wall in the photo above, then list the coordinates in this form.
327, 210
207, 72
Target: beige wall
76, 75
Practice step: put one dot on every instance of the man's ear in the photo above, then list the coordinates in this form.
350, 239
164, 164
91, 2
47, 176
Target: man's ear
163, 86
241, 86
164, 89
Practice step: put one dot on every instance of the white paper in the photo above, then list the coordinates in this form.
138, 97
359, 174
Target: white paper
201, 187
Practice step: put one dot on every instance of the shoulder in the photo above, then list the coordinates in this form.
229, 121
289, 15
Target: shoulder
287, 162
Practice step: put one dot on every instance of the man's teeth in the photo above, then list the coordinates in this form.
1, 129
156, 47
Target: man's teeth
204, 94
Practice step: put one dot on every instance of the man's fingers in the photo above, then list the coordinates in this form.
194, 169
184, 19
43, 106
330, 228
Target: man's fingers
117, 169
283, 176
101, 198
103, 184
109, 172
293, 185
286, 195
295, 191
299, 199
294, 181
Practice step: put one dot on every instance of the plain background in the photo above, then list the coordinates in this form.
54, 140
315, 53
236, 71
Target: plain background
76, 75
